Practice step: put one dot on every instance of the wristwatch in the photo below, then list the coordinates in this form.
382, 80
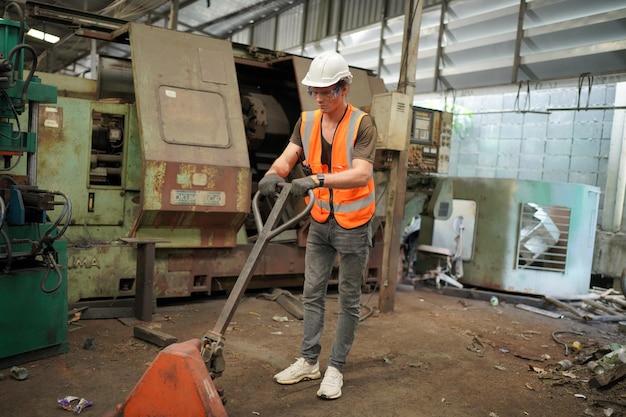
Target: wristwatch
320, 179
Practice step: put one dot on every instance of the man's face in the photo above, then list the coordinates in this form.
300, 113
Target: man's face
327, 98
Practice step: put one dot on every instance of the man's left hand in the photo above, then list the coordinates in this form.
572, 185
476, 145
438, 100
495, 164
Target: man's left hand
300, 186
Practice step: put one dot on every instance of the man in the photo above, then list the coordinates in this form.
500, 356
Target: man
338, 143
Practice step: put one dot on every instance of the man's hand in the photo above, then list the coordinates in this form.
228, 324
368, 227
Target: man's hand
301, 186
267, 185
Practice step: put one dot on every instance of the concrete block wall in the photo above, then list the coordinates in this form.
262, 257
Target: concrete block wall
548, 140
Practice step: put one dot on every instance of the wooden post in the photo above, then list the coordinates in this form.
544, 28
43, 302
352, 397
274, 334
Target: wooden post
396, 189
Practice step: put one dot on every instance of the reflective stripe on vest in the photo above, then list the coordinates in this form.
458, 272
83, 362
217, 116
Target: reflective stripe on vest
348, 207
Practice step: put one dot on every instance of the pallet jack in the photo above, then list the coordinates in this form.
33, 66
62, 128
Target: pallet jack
179, 382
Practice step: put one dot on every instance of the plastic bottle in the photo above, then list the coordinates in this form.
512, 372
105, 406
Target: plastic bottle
616, 357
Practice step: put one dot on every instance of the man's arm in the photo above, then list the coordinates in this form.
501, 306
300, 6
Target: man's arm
285, 162
357, 176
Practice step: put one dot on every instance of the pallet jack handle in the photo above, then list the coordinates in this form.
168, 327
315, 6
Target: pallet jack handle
213, 340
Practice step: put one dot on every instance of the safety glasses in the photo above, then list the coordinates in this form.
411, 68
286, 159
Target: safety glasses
328, 93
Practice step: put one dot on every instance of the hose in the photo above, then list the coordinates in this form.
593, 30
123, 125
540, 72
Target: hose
17, 120
51, 264
20, 12
3, 212
7, 268
32, 68
369, 309
554, 337
66, 213
20, 36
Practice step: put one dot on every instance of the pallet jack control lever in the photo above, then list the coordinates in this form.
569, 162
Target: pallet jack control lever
213, 340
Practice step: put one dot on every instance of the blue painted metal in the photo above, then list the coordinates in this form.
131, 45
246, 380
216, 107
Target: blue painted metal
33, 258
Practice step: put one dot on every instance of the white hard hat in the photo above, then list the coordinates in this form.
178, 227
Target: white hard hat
326, 69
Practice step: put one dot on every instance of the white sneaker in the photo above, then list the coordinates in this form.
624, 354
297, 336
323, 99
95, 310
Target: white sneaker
298, 371
330, 388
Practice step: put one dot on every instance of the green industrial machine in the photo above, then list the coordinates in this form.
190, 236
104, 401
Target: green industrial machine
33, 258
172, 154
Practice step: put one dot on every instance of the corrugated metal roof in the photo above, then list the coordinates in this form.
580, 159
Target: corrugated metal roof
476, 45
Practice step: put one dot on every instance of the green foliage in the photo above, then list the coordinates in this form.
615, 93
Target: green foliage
462, 119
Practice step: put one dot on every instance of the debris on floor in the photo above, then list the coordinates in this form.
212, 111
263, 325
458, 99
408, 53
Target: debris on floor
590, 363
75, 404
289, 302
428, 340
541, 311
154, 336
600, 304
19, 373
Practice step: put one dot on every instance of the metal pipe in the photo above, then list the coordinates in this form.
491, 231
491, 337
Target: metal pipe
105, 158
551, 109
174, 15
442, 29
94, 59
616, 174
518, 40
31, 161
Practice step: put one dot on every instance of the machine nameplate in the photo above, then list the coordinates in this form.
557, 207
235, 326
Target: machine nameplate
197, 198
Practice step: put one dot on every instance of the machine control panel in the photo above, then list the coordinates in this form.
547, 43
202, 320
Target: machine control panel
429, 146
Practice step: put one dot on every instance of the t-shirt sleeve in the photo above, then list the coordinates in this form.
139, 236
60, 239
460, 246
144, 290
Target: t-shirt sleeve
295, 138
365, 145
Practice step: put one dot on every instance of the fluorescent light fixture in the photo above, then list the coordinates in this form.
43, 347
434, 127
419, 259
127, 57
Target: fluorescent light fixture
47, 37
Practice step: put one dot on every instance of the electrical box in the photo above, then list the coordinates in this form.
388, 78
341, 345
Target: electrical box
391, 111
429, 145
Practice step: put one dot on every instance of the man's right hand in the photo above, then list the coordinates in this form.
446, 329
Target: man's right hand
267, 185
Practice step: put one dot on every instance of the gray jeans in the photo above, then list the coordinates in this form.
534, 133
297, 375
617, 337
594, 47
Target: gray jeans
324, 242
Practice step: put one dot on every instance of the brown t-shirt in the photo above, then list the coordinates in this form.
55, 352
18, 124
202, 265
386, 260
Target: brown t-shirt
364, 146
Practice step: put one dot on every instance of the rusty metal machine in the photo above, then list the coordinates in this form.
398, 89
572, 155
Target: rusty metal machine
33, 257
170, 151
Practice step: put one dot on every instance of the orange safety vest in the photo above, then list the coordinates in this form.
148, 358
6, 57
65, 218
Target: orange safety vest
351, 207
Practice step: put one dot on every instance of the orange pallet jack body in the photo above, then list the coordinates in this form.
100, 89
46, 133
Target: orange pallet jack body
177, 383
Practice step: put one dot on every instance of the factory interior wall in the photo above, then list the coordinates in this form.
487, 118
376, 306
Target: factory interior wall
546, 134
